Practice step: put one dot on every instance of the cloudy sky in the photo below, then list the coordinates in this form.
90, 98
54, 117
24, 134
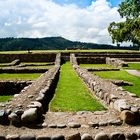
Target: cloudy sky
77, 20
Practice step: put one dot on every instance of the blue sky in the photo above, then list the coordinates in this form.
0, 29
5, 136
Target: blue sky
87, 21
85, 3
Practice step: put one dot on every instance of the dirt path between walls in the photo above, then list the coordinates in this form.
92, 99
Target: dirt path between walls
134, 72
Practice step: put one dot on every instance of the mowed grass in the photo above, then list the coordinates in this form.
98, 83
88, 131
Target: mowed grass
95, 66
135, 66
123, 75
71, 94
65, 51
19, 76
5, 98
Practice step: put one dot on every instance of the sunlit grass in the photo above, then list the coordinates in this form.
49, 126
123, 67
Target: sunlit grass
19, 76
95, 66
123, 75
135, 66
5, 98
56, 51
71, 93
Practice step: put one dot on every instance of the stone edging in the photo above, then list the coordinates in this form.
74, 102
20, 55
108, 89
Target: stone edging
31, 100
77, 136
114, 97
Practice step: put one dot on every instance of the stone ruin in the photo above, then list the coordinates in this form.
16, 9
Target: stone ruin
127, 104
34, 99
116, 62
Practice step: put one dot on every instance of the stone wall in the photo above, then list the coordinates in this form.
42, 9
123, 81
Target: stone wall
33, 57
22, 70
116, 62
12, 87
77, 136
109, 54
127, 104
27, 108
91, 60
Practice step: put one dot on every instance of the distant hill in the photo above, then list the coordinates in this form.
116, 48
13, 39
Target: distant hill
47, 43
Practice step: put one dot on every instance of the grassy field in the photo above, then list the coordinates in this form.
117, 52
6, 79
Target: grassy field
56, 51
123, 75
135, 66
95, 66
71, 94
5, 98
19, 76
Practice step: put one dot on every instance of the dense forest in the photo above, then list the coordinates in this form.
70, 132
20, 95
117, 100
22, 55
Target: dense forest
49, 43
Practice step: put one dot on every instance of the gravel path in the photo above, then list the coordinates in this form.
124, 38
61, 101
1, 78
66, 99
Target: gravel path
134, 72
60, 118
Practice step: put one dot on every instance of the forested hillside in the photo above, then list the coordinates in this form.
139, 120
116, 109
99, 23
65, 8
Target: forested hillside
47, 43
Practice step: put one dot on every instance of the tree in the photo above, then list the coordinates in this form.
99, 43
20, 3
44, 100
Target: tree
129, 30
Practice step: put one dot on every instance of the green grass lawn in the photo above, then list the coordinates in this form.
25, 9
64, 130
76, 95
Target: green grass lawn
19, 76
123, 75
5, 98
56, 51
135, 66
71, 93
3, 65
95, 66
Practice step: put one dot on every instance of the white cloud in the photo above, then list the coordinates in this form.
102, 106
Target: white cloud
41, 18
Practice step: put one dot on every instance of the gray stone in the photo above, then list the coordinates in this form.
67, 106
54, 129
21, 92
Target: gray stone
93, 124
74, 137
16, 95
74, 125
30, 96
86, 136
120, 104
117, 136
103, 123
43, 138
29, 115
115, 122
101, 136
52, 125
134, 109
27, 137
138, 132
61, 126
12, 137
59, 137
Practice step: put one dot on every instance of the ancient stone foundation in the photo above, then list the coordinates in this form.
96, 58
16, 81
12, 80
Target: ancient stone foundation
32, 99
125, 103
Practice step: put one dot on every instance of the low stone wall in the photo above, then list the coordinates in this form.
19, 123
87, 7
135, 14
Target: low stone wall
33, 57
116, 62
91, 60
125, 103
22, 70
102, 69
77, 136
12, 87
27, 108
118, 54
